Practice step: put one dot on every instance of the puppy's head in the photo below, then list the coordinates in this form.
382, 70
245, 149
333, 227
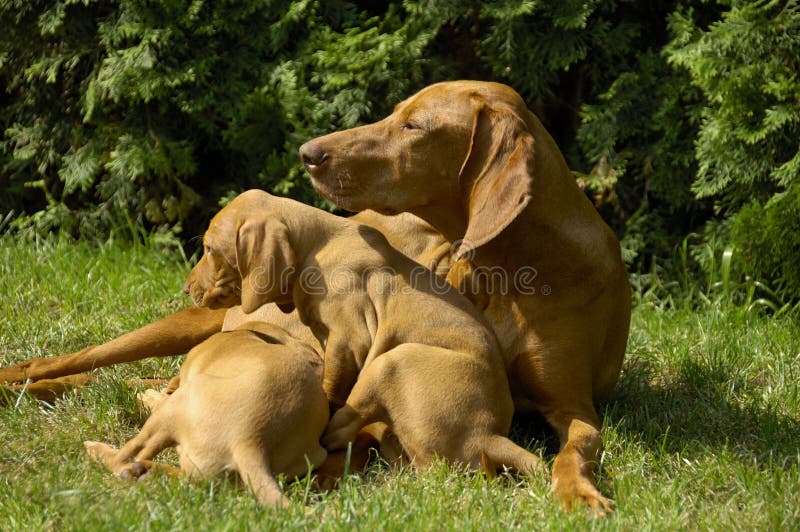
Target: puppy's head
247, 257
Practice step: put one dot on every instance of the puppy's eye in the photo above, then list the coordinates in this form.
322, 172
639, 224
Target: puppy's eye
410, 126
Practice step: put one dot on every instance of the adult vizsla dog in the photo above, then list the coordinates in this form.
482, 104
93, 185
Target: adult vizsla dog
472, 160
402, 347
249, 401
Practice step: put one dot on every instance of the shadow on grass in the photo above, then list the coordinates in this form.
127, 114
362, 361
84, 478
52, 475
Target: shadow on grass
689, 411
697, 407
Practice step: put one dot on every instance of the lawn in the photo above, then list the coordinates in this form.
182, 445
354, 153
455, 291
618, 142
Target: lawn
703, 431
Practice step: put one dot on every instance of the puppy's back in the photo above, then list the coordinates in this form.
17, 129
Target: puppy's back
242, 387
421, 305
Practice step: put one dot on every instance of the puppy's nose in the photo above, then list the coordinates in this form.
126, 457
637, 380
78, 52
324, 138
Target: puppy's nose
312, 155
186, 287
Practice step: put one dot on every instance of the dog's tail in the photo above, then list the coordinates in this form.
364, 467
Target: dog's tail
500, 451
253, 466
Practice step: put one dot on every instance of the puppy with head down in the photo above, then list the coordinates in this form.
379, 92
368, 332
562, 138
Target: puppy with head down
249, 401
401, 346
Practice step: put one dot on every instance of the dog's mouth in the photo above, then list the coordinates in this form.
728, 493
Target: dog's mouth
218, 296
340, 191
216, 299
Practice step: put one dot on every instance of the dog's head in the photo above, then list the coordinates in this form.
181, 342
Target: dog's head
247, 257
463, 144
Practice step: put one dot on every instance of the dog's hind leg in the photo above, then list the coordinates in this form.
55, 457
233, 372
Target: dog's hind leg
253, 465
503, 452
155, 436
363, 406
336, 464
107, 455
391, 390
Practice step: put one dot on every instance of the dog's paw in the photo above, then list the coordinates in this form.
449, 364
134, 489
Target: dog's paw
14, 374
99, 451
109, 456
581, 493
132, 471
151, 398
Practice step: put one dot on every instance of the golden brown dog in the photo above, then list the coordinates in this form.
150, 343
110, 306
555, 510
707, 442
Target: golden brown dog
472, 160
249, 401
402, 347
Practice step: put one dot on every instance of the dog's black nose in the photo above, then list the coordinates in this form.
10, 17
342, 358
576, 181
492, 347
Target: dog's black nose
312, 154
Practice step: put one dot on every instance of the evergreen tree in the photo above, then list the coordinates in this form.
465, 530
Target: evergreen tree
747, 148
679, 117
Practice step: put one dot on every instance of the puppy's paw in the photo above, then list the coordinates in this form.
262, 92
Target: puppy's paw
132, 471
99, 451
151, 398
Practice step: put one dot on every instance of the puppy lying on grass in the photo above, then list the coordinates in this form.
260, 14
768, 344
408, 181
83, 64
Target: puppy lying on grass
248, 400
401, 346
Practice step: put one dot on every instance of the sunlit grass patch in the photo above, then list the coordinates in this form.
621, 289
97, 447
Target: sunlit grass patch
702, 432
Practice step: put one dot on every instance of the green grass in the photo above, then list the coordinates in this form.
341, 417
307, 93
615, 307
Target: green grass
703, 431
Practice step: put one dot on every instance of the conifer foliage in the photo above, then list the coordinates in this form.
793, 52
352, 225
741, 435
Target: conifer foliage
139, 112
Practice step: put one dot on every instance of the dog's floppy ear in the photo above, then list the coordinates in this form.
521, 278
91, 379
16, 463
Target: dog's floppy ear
266, 262
497, 173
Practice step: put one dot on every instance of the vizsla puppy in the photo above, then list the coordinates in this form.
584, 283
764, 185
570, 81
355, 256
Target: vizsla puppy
402, 347
249, 400
472, 160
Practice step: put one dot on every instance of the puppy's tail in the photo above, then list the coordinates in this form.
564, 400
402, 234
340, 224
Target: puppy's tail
500, 451
255, 471
268, 492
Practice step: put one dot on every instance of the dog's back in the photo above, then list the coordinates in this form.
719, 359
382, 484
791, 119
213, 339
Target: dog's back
248, 386
413, 303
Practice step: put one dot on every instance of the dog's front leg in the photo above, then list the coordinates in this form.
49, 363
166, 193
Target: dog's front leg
340, 370
574, 465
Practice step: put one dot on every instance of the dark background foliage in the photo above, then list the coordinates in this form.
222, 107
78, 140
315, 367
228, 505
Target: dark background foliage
681, 119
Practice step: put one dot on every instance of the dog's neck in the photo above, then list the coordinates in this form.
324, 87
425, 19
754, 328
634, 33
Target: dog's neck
311, 229
571, 223
447, 216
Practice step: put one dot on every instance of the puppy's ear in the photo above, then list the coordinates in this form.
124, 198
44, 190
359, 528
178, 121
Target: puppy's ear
498, 174
266, 262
